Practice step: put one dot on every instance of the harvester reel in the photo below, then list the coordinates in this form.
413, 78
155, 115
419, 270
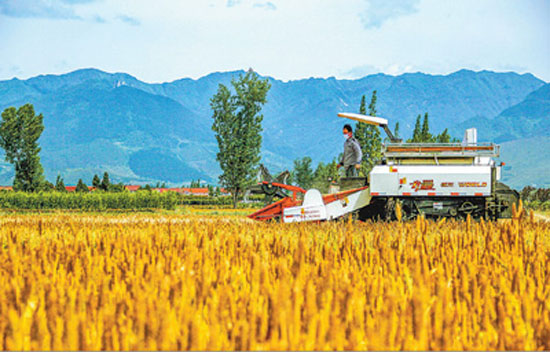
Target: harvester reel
269, 189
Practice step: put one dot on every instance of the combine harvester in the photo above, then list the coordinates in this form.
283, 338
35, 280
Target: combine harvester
431, 179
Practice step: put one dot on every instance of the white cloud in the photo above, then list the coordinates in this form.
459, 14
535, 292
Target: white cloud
72, 2
305, 38
379, 11
231, 3
129, 20
37, 9
265, 5
360, 71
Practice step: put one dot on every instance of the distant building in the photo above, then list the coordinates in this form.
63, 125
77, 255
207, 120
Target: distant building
73, 188
132, 188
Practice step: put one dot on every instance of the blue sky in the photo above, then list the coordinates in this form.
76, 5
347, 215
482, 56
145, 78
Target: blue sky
164, 40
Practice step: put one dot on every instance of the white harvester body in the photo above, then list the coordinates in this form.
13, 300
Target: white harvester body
427, 180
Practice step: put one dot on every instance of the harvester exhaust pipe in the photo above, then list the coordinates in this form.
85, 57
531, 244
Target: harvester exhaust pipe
371, 120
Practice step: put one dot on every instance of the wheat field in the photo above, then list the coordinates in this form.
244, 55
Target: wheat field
127, 282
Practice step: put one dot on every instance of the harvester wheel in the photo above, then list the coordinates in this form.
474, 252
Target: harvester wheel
467, 208
389, 210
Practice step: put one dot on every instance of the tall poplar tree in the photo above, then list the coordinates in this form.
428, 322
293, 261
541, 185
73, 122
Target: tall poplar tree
105, 182
368, 137
417, 132
425, 135
303, 174
237, 124
396, 130
421, 133
81, 186
19, 133
59, 184
443, 137
96, 182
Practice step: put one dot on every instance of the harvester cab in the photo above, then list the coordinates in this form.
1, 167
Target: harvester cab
430, 179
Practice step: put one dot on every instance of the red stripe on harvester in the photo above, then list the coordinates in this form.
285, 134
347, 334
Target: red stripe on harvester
454, 193
431, 193
374, 193
478, 194
406, 193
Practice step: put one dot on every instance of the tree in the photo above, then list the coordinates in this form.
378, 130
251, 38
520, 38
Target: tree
96, 182
417, 132
368, 137
19, 133
59, 184
396, 130
81, 186
105, 182
237, 125
443, 137
117, 187
425, 135
303, 174
324, 174
46, 186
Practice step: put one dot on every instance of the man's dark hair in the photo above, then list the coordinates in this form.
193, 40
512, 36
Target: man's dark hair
348, 128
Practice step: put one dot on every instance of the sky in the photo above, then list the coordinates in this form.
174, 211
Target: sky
165, 40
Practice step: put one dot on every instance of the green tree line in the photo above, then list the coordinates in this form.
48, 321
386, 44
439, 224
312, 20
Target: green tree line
536, 198
422, 134
98, 201
88, 201
237, 126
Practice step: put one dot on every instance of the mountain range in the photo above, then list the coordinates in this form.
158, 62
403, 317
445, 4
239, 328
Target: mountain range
143, 132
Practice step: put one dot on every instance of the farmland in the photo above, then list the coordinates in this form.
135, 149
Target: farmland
214, 280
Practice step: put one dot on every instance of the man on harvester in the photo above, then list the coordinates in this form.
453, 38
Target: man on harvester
351, 159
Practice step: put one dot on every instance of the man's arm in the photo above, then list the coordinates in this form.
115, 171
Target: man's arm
358, 152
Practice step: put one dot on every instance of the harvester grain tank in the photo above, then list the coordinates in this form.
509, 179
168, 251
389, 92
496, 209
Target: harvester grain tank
429, 179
